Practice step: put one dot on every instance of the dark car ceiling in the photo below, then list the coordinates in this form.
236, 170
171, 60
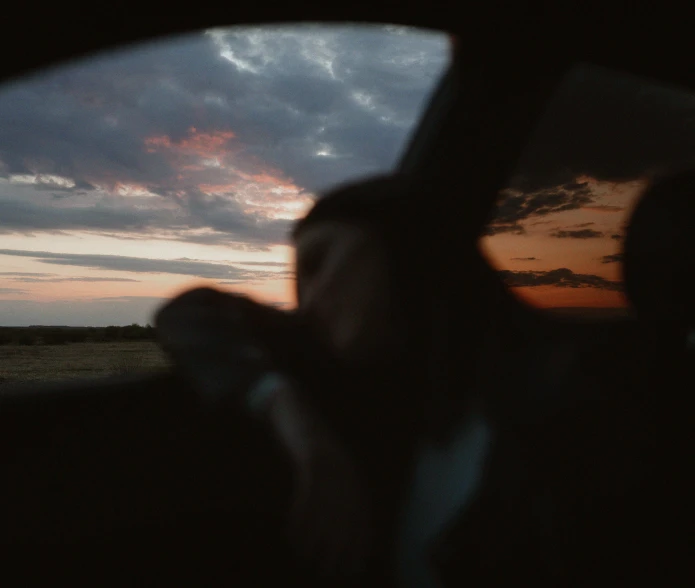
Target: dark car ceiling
38, 34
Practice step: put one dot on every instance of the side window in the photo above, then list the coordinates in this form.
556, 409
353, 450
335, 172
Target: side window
130, 177
557, 235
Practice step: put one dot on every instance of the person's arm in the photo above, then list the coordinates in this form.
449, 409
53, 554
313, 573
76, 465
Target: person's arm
214, 338
211, 340
330, 520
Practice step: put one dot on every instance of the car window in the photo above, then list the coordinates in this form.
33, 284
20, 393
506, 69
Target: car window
556, 237
133, 175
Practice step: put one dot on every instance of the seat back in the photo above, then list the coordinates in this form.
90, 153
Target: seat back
659, 255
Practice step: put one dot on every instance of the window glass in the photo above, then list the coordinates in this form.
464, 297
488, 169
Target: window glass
131, 176
557, 234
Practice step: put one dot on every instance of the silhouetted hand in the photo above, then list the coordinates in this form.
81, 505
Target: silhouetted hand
208, 333
330, 519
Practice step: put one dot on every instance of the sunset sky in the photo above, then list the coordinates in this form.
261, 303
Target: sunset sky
570, 254
559, 227
129, 177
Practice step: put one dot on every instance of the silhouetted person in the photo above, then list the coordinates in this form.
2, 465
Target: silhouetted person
353, 361
542, 472
358, 355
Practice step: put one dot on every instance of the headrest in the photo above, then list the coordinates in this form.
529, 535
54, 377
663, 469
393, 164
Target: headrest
659, 253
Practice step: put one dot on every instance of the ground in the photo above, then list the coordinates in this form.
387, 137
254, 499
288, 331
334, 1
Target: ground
20, 363
77, 360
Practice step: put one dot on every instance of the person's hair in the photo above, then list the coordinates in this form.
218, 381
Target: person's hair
377, 203
381, 206
397, 210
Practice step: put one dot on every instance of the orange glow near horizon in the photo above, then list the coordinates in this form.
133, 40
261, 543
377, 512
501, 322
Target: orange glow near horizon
539, 249
266, 193
554, 297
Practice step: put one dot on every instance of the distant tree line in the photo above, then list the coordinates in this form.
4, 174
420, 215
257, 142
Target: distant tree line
65, 335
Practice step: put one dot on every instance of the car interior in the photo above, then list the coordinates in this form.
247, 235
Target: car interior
117, 478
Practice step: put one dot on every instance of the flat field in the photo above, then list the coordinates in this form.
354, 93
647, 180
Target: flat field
21, 363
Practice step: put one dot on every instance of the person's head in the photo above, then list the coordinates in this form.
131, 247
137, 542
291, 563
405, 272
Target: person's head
348, 266
659, 251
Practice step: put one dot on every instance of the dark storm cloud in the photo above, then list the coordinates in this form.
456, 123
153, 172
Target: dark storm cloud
129, 299
616, 236
44, 278
88, 121
19, 216
266, 263
223, 220
185, 267
562, 277
614, 258
525, 259
604, 208
318, 105
579, 234
71, 279
497, 228
26, 274
355, 90
516, 207
11, 291
227, 220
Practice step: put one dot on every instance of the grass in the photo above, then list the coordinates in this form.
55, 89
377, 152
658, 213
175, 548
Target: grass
77, 360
